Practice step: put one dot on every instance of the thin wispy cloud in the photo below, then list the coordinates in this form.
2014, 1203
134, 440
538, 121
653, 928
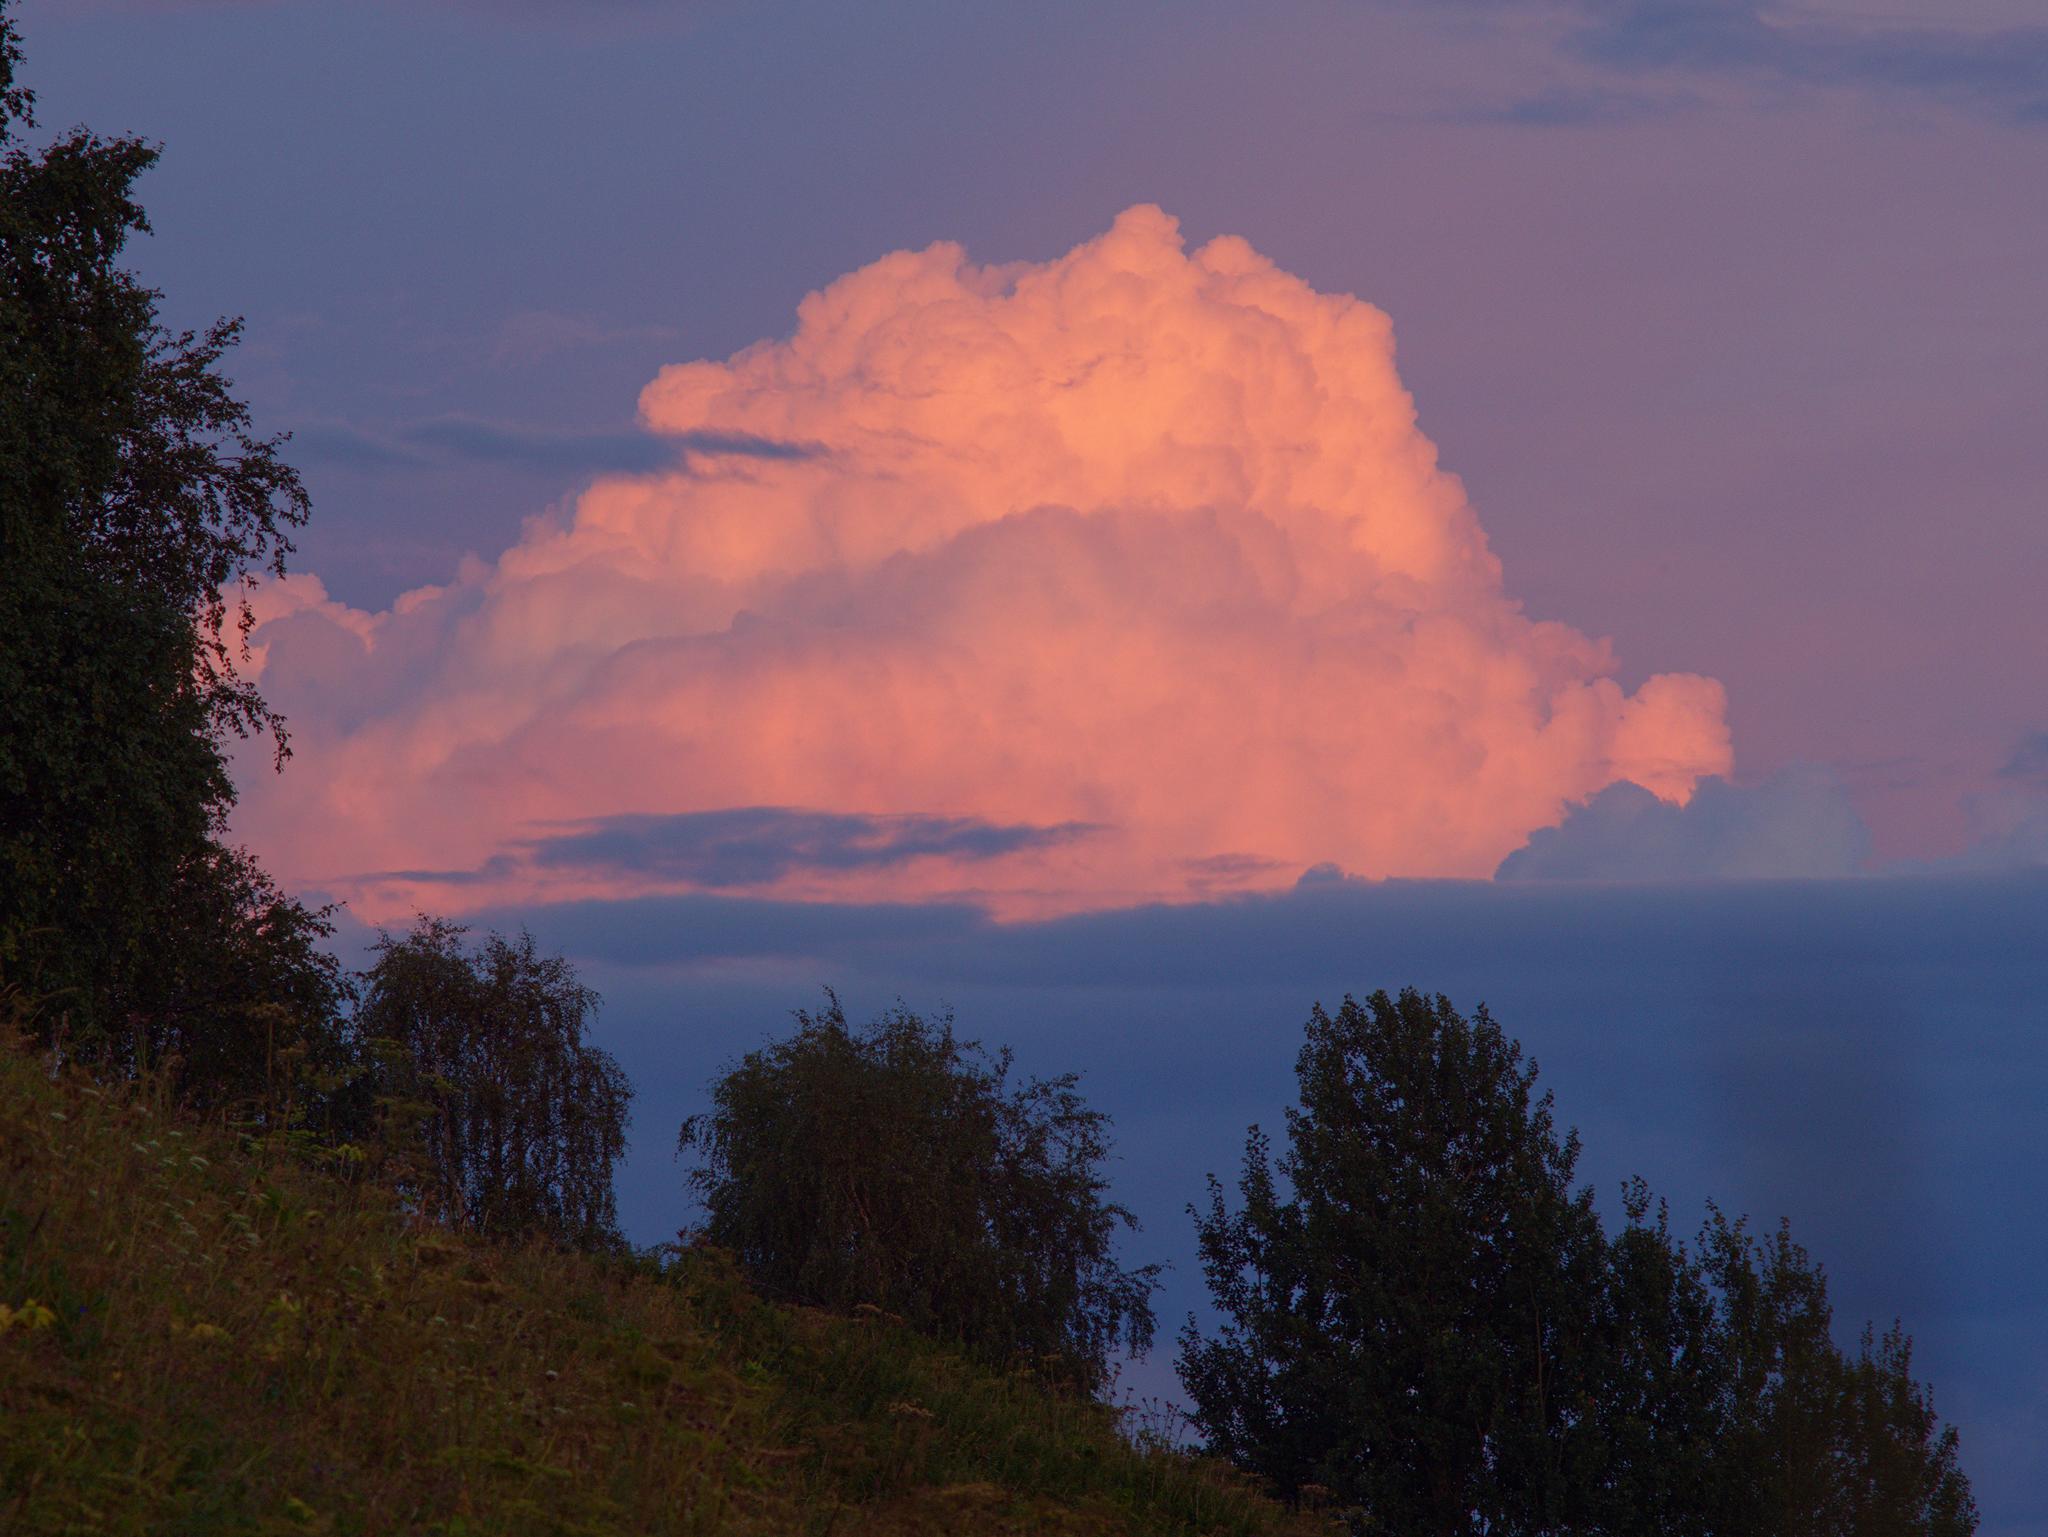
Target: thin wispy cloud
747, 847
756, 845
2001, 71
1585, 107
2029, 760
472, 440
533, 336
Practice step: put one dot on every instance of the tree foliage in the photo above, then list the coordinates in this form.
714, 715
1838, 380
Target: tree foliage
1657, 1390
1421, 1316
1402, 1325
238, 1001
1814, 1440
509, 1122
136, 506
897, 1166
137, 509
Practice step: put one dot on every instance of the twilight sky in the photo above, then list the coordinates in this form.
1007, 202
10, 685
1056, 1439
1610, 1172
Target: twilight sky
1731, 329
885, 494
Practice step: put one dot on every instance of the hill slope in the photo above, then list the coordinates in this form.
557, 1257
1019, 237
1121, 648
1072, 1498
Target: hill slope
201, 1335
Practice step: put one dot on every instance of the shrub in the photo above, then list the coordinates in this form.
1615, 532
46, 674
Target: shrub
505, 1120
897, 1167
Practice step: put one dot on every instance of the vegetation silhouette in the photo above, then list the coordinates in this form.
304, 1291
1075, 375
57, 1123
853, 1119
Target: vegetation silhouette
204, 1331
896, 1167
1423, 1320
497, 1114
135, 508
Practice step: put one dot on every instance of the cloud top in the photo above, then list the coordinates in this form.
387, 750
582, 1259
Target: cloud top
1799, 824
1140, 540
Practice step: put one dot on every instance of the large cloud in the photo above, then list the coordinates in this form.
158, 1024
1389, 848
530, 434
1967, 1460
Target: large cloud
1137, 556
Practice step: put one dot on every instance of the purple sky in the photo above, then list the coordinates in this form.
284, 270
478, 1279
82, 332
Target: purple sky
1737, 344
1734, 322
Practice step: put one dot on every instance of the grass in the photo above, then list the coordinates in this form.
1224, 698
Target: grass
204, 1334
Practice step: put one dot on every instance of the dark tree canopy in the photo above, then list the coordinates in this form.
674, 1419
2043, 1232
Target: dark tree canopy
510, 1121
1657, 1387
135, 506
239, 1003
1422, 1317
897, 1166
1814, 1440
1401, 1327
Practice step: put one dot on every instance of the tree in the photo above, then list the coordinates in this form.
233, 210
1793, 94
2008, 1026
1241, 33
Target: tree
1817, 1442
135, 509
509, 1122
1408, 1325
1428, 1322
1660, 1389
896, 1166
238, 1003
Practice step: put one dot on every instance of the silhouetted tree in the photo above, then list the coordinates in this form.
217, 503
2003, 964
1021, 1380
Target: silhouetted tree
897, 1166
237, 1000
504, 1119
134, 507
1816, 1442
1658, 1390
1407, 1324
1421, 1316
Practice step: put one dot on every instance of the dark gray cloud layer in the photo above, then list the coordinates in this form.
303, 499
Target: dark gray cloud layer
2002, 72
593, 452
2029, 760
755, 845
749, 845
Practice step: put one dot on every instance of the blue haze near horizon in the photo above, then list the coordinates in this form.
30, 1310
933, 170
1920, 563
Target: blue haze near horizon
1864, 1057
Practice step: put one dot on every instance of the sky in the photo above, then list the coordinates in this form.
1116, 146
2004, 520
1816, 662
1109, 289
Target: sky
1129, 519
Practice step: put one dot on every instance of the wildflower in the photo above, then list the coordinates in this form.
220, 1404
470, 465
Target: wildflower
29, 1317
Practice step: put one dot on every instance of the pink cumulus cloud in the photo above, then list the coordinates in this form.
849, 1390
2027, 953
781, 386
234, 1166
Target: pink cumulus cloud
1131, 572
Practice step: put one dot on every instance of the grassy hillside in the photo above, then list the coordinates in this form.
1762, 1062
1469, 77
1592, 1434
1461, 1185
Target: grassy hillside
198, 1335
